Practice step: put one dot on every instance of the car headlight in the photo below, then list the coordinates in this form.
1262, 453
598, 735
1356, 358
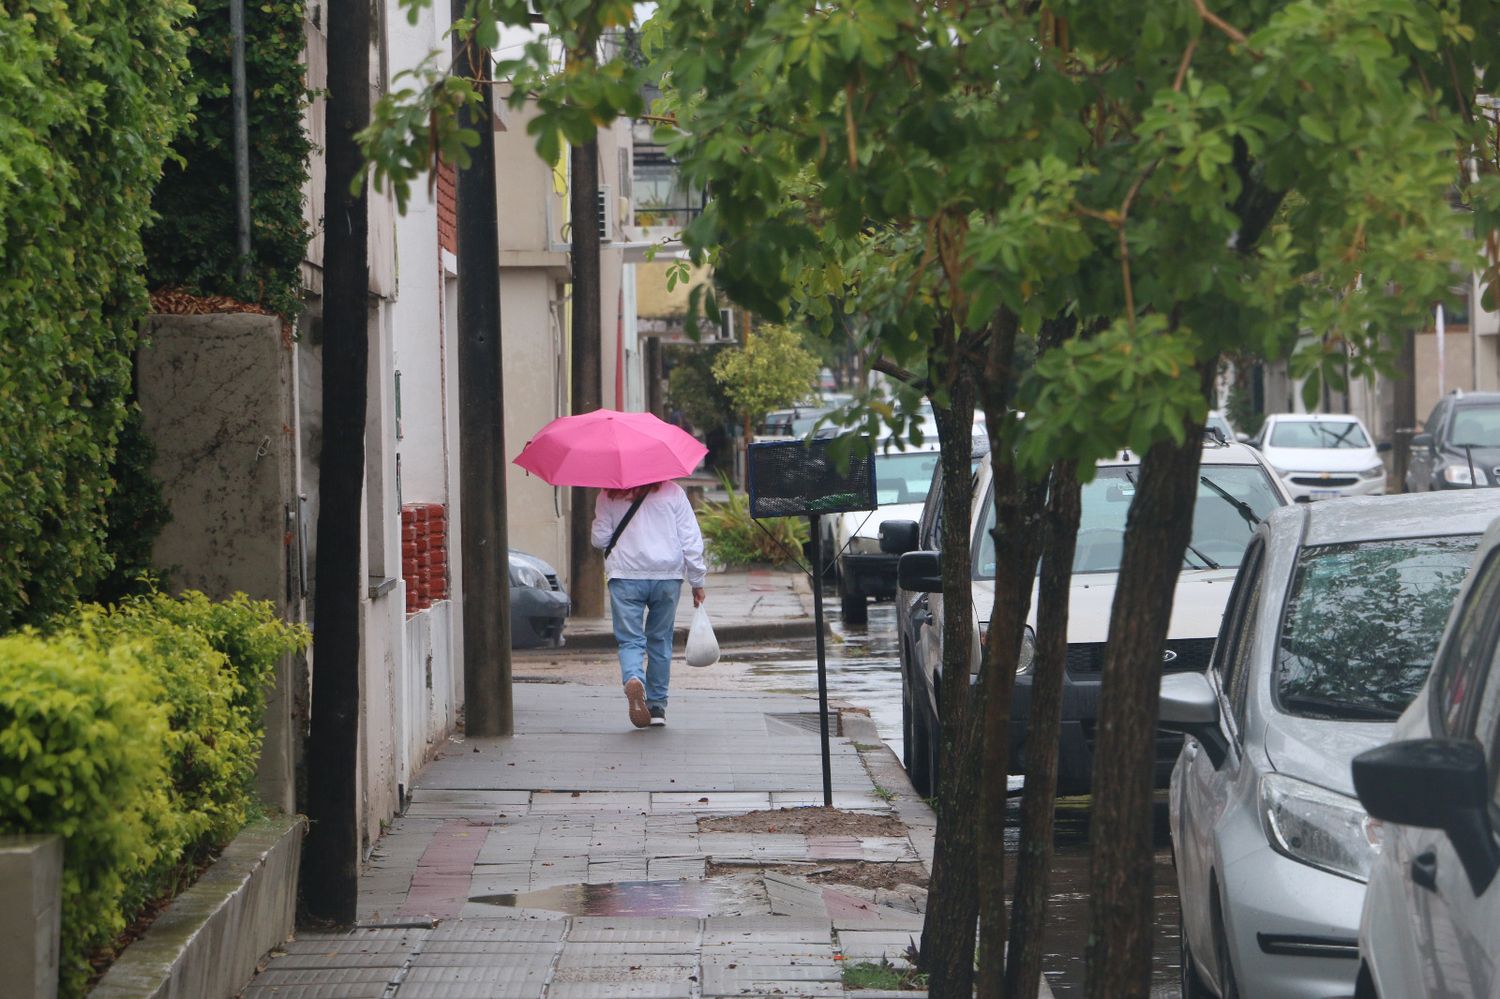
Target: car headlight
1458, 475
1317, 827
1374, 472
1027, 658
522, 574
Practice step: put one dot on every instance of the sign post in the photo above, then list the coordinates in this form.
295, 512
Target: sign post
797, 478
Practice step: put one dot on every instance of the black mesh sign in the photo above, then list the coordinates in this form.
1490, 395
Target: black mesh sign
799, 478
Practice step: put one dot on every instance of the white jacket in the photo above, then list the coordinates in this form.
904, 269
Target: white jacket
662, 540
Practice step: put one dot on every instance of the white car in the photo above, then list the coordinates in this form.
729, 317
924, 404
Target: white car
1236, 489
862, 570
1326, 638
1431, 921
1322, 456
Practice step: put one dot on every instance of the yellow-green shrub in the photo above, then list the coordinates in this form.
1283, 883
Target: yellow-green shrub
731, 536
180, 680
82, 754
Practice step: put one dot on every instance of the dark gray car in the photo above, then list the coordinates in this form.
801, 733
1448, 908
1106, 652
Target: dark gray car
538, 604
1459, 447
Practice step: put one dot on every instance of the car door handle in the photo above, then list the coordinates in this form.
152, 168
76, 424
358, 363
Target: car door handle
1424, 870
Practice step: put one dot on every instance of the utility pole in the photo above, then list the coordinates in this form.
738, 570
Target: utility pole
330, 863
585, 571
484, 535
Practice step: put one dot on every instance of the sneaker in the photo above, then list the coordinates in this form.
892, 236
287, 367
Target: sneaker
635, 693
658, 715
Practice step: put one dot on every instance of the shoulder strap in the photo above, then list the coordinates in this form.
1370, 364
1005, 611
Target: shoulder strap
624, 522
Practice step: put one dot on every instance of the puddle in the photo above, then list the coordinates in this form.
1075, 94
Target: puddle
637, 898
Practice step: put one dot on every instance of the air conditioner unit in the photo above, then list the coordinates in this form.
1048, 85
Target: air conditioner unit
606, 214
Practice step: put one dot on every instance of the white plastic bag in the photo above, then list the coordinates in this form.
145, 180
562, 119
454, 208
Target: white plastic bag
702, 646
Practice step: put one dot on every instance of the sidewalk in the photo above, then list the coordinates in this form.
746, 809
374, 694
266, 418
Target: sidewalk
744, 605
580, 859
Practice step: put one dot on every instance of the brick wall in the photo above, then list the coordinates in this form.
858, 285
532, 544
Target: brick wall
447, 206
424, 554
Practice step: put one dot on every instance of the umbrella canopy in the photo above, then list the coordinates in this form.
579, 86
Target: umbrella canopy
610, 450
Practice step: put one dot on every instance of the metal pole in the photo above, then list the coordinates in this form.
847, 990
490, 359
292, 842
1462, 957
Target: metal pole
241, 136
817, 588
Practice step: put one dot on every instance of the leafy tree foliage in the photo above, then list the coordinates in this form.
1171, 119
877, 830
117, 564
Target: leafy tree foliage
90, 99
192, 242
770, 369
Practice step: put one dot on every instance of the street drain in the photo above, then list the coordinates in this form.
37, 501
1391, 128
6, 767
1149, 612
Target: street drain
803, 722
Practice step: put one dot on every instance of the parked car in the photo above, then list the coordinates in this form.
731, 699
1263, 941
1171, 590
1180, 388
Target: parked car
539, 606
1321, 456
1329, 631
1236, 491
861, 570
1218, 422
1459, 446
1431, 919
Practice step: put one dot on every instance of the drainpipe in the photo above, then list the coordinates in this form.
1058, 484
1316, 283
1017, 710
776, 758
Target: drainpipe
241, 137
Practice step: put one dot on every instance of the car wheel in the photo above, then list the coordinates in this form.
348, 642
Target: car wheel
934, 751
919, 767
1228, 987
1193, 986
856, 610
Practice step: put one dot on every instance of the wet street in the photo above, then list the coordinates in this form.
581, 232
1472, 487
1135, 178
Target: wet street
864, 670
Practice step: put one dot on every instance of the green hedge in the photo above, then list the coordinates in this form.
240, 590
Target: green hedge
91, 95
193, 243
134, 732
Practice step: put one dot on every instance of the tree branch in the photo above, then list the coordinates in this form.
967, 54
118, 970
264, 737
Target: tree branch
889, 367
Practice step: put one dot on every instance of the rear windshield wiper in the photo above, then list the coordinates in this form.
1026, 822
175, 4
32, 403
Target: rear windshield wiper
1332, 708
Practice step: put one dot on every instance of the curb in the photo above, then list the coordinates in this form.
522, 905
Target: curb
209, 941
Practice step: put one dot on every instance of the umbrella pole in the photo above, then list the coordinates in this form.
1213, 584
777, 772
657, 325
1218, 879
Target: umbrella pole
817, 588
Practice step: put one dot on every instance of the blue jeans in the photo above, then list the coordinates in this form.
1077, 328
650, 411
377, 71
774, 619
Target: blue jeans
654, 602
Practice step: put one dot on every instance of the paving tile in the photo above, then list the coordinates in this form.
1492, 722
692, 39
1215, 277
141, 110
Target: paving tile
485, 930
330, 990
635, 929
590, 801
737, 929
709, 801
621, 990
322, 976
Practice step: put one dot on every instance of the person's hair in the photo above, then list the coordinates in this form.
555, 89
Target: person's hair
633, 492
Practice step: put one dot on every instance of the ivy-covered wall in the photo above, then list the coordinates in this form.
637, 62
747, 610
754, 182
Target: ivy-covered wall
91, 96
193, 244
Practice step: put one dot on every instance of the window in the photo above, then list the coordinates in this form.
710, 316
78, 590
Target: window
1336, 434
1475, 425
1236, 621
1463, 658
1232, 501
1239, 652
1362, 622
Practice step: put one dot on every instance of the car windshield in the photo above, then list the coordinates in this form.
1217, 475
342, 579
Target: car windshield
904, 477
1319, 434
1477, 426
1363, 622
1232, 500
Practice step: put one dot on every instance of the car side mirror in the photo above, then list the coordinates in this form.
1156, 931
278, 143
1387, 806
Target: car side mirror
920, 572
1383, 447
1189, 706
897, 537
1243, 438
1434, 784
1422, 440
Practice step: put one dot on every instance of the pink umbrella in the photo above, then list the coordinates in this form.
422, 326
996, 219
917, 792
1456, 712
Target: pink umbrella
610, 450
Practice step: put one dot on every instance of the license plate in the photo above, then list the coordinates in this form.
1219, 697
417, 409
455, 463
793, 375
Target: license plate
1324, 493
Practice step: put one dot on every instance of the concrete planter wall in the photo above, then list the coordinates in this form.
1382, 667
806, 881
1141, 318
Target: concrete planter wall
209, 941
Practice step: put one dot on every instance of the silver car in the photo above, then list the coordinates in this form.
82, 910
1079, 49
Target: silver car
1327, 636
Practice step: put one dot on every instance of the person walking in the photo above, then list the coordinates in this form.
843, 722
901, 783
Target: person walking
651, 543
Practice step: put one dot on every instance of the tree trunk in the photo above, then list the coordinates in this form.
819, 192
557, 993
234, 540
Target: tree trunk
1120, 867
585, 567
482, 534
330, 864
947, 953
1023, 966
1018, 508
948, 929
